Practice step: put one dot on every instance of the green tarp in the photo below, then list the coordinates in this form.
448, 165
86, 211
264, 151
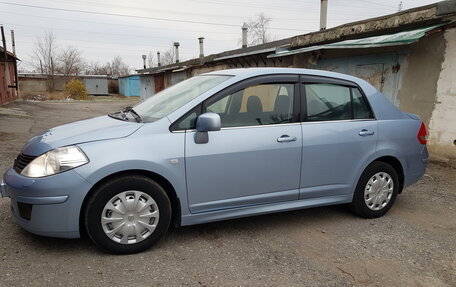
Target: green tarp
401, 38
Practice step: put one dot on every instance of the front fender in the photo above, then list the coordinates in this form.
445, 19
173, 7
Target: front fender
119, 155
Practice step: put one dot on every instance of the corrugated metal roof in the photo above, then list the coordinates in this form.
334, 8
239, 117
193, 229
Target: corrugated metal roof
400, 38
245, 54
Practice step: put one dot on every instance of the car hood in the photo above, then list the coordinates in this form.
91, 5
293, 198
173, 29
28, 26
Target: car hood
95, 129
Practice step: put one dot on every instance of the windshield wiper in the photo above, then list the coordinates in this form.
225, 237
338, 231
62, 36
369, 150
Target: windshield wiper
133, 112
118, 115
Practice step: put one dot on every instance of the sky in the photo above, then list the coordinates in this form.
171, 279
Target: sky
104, 29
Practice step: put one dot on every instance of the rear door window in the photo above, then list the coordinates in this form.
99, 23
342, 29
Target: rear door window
333, 102
360, 106
328, 102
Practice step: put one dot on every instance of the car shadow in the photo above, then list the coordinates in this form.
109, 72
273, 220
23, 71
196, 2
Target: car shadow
312, 217
57, 245
319, 216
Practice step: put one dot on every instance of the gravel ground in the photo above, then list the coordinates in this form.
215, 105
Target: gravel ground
413, 245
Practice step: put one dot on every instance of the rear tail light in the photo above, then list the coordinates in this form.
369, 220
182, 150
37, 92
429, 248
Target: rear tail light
422, 134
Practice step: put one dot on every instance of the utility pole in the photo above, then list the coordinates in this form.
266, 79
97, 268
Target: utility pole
16, 78
4, 43
13, 43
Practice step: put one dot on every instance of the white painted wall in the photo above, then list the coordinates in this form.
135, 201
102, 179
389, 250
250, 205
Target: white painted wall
443, 121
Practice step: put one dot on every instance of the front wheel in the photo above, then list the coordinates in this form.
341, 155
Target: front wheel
127, 214
376, 190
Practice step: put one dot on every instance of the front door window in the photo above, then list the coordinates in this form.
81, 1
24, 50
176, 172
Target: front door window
263, 104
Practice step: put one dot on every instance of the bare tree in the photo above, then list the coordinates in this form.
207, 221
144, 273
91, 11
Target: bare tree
70, 61
258, 30
118, 67
96, 68
169, 56
44, 57
151, 60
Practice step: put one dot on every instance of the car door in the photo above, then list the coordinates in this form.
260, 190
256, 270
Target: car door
256, 156
339, 135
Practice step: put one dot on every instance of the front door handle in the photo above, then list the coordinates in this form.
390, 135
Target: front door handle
365, 132
286, 138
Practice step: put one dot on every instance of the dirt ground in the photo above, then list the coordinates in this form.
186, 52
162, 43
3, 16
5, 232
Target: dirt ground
413, 245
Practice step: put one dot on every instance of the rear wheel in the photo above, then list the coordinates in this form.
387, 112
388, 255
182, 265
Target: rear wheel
376, 190
127, 214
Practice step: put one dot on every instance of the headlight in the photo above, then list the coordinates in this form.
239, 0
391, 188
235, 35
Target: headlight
55, 161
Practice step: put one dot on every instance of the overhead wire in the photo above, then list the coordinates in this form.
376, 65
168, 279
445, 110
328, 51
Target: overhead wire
186, 13
117, 24
138, 16
377, 4
105, 33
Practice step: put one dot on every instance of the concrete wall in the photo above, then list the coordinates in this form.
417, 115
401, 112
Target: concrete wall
442, 139
428, 89
32, 85
418, 90
60, 82
37, 84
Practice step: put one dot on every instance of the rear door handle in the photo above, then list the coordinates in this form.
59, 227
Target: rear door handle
286, 138
365, 132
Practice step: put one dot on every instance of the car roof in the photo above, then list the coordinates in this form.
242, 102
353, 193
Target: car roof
250, 72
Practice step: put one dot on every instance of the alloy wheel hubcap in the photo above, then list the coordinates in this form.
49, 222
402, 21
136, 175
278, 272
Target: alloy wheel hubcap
130, 217
378, 191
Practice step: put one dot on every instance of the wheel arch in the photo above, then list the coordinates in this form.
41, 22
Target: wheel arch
162, 181
397, 165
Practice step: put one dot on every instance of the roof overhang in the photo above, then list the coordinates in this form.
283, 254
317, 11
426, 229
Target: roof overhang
245, 54
11, 56
396, 39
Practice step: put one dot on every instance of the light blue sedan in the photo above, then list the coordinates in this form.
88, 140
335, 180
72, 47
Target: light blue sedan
221, 145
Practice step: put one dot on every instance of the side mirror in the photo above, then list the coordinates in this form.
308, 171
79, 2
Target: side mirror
208, 122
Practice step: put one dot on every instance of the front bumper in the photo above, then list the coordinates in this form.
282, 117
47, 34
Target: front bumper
48, 206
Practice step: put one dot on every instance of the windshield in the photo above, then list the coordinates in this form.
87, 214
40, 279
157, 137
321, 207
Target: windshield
174, 97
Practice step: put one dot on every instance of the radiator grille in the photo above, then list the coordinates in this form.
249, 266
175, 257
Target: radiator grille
22, 161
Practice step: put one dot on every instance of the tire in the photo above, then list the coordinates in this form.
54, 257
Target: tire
376, 190
127, 214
